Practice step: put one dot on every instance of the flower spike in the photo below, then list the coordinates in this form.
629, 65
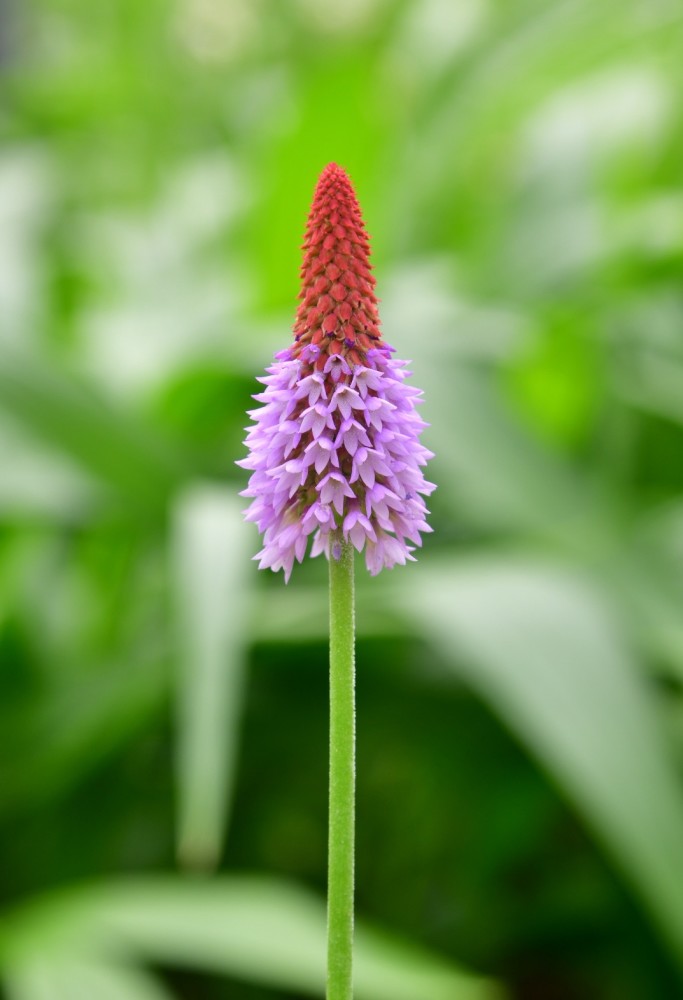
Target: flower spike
334, 451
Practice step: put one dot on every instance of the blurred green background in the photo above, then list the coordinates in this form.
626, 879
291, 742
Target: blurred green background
162, 703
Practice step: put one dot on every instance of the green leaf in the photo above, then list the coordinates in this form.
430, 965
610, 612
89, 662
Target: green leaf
74, 978
538, 643
257, 929
648, 577
211, 569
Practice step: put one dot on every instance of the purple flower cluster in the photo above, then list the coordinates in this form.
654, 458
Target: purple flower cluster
335, 452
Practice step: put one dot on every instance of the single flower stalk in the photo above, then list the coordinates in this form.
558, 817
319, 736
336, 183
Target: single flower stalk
335, 458
335, 451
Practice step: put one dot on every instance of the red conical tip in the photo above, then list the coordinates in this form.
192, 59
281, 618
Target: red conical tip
338, 311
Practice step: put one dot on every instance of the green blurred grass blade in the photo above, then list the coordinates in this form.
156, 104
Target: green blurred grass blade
109, 443
257, 929
388, 968
538, 645
211, 567
73, 978
648, 577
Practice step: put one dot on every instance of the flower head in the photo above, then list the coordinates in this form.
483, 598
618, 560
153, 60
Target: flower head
334, 450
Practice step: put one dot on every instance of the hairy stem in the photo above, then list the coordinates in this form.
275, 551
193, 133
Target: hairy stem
342, 775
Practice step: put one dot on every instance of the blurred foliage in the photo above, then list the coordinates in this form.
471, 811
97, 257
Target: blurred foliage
162, 704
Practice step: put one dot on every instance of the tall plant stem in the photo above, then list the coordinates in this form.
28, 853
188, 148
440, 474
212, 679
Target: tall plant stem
340, 869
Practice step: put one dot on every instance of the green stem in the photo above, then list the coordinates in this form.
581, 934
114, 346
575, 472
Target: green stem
342, 777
